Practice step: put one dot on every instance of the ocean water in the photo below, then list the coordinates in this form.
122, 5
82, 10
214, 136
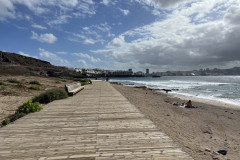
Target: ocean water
224, 89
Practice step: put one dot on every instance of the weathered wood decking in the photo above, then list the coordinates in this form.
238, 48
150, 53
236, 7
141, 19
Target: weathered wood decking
97, 123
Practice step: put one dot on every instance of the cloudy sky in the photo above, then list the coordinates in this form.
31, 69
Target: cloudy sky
120, 34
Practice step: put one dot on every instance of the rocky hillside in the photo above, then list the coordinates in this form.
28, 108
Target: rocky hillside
15, 64
16, 59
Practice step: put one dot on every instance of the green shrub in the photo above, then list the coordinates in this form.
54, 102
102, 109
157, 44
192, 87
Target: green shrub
68, 78
16, 116
34, 82
2, 83
50, 95
19, 85
27, 74
71, 78
34, 88
28, 107
13, 81
57, 82
84, 82
77, 79
5, 122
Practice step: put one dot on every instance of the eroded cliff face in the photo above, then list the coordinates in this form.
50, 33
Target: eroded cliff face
16, 64
16, 59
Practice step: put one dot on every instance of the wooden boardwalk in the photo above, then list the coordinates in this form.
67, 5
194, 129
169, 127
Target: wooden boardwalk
97, 123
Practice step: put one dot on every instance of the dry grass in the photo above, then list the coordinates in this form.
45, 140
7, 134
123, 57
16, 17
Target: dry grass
14, 94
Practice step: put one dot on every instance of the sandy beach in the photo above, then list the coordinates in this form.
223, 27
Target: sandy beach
200, 131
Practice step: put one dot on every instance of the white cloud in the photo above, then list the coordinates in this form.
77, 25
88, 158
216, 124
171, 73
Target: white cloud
108, 2
28, 17
86, 9
156, 12
27, 55
52, 57
87, 56
33, 5
20, 27
42, 6
63, 19
233, 15
176, 43
89, 41
92, 34
161, 3
124, 11
62, 52
104, 27
57, 11
6, 10
38, 26
82, 62
45, 38
24, 54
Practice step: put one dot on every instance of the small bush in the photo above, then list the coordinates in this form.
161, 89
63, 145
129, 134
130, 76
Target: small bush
57, 82
13, 81
19, 85
28, 107
34, 82
34, 88
5, 122
84, 82
68, 78
16, 116
27, 74
71, 78
50, 95
2, 83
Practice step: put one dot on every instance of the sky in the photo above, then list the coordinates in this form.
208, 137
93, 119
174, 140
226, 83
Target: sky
162, 35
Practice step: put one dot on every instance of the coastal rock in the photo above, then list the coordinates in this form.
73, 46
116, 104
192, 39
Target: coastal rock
215, 153
115, 83
223, 152
207, 150
175, 103
167, 90
143, 87
130, 84
207, 130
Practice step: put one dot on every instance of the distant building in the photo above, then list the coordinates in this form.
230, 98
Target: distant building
147, 71
119, 73
139, 73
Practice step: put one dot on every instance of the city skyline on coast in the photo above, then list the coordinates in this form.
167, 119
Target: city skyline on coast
157, 34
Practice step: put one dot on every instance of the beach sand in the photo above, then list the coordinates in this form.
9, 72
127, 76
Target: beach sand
200, 131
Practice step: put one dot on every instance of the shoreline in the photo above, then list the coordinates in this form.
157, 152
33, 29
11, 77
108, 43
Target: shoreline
186, 98
207, 101
215, 97
200, 131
